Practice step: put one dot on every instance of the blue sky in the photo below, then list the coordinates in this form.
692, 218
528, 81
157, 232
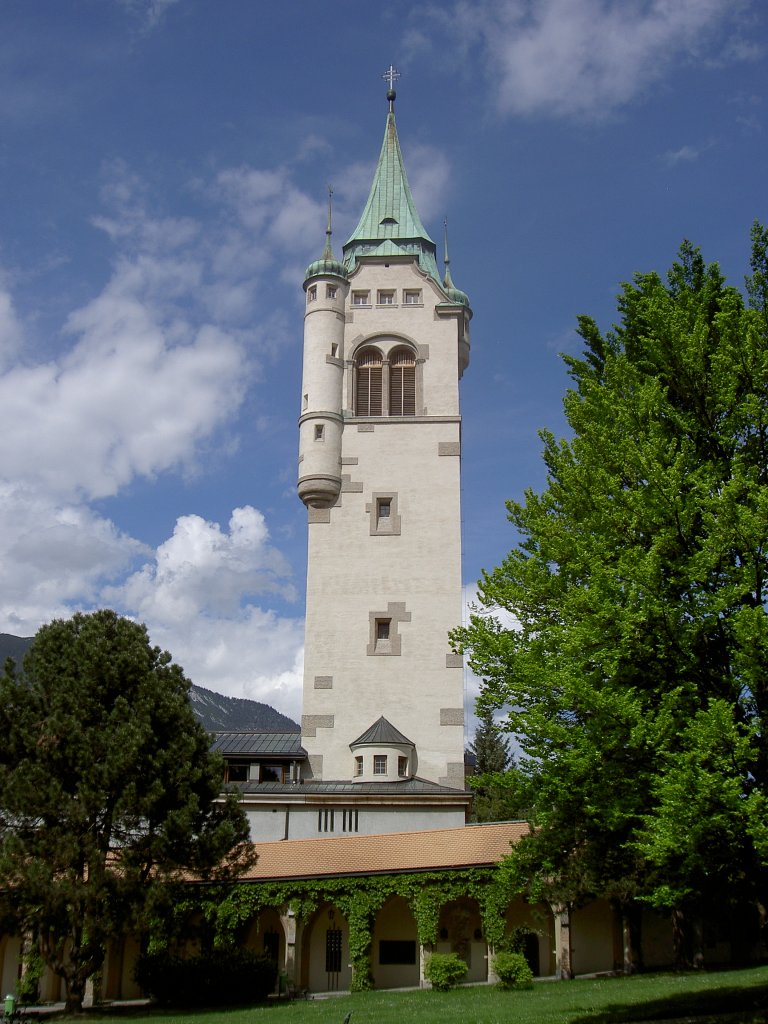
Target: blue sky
163, 174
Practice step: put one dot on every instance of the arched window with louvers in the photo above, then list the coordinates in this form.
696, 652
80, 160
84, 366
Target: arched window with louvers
402, 383
368, 382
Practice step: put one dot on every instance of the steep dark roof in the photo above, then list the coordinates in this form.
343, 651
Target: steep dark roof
278, 744
381, 732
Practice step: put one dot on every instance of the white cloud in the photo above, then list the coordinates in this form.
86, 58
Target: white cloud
10, 330
196, 597
153, 367
150, 12
583, 58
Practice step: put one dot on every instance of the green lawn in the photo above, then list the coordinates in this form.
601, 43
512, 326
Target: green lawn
732, 996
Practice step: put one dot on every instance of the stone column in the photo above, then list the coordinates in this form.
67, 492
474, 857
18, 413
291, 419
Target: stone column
288, 921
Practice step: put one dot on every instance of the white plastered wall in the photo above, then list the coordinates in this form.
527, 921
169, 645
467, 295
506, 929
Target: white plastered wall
415, 574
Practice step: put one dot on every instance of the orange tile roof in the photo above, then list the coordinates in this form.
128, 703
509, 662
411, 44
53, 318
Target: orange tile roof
470, 846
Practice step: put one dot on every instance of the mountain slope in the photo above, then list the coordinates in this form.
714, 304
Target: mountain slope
214, 711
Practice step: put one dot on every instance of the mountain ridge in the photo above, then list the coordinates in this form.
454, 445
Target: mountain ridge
215, 711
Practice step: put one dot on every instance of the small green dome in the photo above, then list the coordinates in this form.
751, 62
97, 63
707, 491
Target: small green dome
458, 296
325, 268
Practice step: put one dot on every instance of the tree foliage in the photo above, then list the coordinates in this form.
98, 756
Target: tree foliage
636, 680
107, 790
501, 792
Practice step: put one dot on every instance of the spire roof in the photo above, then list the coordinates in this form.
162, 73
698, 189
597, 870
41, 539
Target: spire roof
327, 265
390, 215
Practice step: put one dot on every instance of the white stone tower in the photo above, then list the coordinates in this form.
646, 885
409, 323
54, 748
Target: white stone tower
385, 343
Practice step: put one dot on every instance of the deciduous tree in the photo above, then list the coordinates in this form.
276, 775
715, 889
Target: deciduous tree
637, 677
108, 790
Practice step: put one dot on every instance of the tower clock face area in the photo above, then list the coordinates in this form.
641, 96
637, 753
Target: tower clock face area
385, 341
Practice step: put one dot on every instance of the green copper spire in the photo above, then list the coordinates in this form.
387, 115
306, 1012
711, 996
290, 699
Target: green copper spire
390, 224
326, 266
454, 294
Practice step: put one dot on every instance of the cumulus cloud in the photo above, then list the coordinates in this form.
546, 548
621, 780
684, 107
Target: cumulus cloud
146, 374
581, 58
197, 597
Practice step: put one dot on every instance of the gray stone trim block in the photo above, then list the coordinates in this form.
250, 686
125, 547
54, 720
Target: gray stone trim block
455, 776
454, 661
348, 485
335, 361
318, 515
311, 723
315, 766
349, 460
380, 526
323, 682
451, 716
392, 647
448, 448
365, 428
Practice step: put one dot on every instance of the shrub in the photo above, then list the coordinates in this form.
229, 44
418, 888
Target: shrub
512, 970
444, 970
221, 978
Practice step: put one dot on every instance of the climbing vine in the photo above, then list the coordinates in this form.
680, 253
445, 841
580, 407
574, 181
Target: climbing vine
225, 911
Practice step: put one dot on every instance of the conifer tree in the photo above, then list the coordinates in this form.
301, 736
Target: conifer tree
108, 791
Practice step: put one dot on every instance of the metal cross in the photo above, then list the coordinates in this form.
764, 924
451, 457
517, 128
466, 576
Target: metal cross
391, 75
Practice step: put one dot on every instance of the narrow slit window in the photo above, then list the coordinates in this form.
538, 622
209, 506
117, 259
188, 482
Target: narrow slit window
319, 431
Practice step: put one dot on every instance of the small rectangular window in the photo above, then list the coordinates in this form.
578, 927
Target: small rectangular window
385, 297
384, 508
334, 349
319, 431
411, 297
402, 767
382, 629
358, 765
330, 291
312, 293
361, 298
379, 764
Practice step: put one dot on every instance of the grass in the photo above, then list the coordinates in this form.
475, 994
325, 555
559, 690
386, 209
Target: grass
740, 997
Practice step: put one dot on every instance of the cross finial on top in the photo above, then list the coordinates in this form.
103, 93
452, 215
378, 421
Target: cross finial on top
391, 75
